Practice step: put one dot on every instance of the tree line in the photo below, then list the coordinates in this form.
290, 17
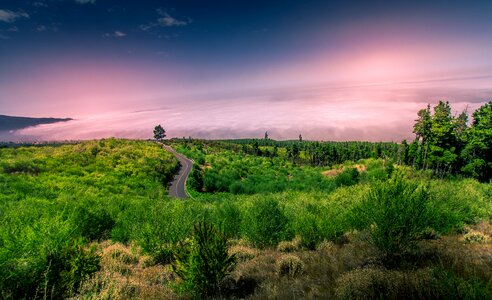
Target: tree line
444, 143
448, 144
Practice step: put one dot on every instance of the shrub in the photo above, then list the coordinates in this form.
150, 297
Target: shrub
202, 261
243, 253
94, 224
450, 286
396, 213
228, 219
308, 228
325, 246
289, 246
290, 265
196, 178
69, 267
379, 283
117, 258
349, 176
475, 237
266, 224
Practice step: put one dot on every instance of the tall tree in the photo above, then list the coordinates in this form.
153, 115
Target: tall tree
159, 133
478, 149
266, 135
422, 127
422, 130
442, 155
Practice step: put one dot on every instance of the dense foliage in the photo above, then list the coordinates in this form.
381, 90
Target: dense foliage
446, 144
202, 261
397, 212
315, 153
55, 199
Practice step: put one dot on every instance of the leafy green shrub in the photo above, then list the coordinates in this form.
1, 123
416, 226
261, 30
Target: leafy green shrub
450, 286
390, 168
265, 223
202, 261
228, 219
94, 224
196, 178
69, 267
348, 177
396, 213
309, 230
23, 167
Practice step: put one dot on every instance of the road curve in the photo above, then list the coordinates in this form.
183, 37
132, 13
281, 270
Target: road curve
178, 185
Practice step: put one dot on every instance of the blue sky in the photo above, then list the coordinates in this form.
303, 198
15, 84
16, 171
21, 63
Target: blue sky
332, 69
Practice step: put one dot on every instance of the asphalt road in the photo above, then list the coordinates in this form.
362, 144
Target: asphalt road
178, 185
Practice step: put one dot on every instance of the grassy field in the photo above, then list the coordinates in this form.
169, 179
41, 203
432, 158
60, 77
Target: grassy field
93, 221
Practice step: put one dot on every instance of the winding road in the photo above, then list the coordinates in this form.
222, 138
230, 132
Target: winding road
178, 185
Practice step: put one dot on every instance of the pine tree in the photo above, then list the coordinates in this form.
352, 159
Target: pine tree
478, 150
159, 133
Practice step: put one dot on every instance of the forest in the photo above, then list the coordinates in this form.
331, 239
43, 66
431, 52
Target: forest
265, 219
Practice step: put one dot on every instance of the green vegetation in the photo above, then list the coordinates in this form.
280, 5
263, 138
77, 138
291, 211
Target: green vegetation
202, 261
447, 145
301, 219
397, 213
55, 199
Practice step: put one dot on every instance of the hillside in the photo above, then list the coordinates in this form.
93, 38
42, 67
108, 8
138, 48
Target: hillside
14, 123
93, 220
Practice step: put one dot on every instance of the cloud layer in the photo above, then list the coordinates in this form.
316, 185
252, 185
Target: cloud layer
11, 16
85, 1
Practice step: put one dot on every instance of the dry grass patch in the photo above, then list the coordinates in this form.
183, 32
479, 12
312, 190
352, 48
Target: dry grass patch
290, 246
289, 264
243, 253
379, 283
337, 171
127, 275
319, 268
465, 258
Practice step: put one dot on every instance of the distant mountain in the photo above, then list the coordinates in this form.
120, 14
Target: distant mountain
13, 123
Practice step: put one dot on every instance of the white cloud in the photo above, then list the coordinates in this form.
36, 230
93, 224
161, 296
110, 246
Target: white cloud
40, 4
147, 27
53, 27
85, 1
166, 20
119, 34
10, 16
169, 21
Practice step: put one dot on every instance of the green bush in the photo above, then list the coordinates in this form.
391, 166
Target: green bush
450, 286
265, 223
348, 177
228, 219
396, 213
93, 225
202, 261
69, 267
309, 230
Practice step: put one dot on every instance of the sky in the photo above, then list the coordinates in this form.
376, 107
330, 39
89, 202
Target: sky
329, 70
